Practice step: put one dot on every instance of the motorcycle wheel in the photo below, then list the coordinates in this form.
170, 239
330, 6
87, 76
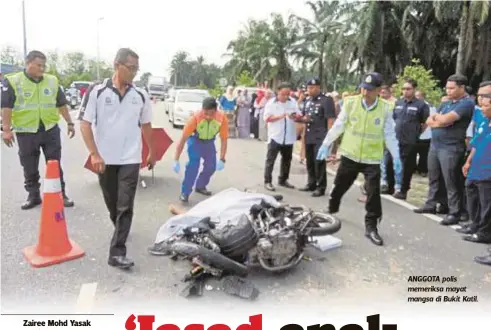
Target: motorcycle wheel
324, 224
210, 257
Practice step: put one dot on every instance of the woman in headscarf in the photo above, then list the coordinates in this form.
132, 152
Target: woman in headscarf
263, 133
243, 115
227, 103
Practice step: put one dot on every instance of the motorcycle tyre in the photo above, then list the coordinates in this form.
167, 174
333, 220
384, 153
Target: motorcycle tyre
210, 257
330, 225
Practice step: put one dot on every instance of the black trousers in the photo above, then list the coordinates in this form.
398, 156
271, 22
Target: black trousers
345, 177
409, 154
286, 151
479, 206
118, 184
445, 176
422, 149
30, 146
316, 169
254, 125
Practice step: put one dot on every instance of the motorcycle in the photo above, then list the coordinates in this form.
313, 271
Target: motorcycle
74, 101
273, 238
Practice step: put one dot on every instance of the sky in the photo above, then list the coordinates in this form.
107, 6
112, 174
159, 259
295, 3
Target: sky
154, 29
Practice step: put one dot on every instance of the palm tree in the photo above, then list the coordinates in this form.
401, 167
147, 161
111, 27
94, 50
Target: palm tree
178, 66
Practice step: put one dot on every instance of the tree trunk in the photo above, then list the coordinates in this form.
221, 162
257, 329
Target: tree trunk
460, 66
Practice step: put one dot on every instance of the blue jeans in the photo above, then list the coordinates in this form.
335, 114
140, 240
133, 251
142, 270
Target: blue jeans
197, 150
388, 175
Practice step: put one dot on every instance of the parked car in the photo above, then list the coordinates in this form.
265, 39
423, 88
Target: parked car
169, 100
186, 103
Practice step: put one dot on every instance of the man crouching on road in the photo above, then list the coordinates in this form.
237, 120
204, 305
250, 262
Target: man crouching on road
366, 124
118, 113
199, 133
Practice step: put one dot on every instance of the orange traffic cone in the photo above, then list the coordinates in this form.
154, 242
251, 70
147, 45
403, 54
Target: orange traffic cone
54, 246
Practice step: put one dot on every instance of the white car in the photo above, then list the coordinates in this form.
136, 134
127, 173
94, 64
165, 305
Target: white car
186, 103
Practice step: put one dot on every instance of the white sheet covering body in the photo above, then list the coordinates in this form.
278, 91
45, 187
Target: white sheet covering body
223, 208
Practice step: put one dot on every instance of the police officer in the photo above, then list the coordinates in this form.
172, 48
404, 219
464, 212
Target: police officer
410, 115
319, 114
31, 104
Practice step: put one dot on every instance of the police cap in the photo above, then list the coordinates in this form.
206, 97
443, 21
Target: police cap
314, 82
372, 81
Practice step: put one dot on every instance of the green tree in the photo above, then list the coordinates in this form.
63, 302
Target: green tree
245, 79
427, 83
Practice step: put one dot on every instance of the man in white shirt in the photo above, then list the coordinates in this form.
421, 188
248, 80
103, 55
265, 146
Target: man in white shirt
113, 115
280, 114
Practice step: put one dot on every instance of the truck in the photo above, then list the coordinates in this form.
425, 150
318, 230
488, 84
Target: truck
157, 86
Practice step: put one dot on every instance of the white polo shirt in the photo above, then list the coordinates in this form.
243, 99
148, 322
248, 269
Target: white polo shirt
282, 131
116, 121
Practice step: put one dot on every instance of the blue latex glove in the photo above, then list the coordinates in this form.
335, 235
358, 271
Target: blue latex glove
176, 167
323, 152
220, 165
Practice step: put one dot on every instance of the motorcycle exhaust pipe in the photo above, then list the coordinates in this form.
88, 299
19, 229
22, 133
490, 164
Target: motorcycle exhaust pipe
281, 268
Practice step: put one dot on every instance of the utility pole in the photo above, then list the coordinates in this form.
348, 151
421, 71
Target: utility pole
24, 28
98, 51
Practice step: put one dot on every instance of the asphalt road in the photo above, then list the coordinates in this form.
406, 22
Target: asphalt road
357, 272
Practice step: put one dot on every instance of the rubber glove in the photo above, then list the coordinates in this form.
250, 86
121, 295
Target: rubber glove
176, 167
322, 153
220, 165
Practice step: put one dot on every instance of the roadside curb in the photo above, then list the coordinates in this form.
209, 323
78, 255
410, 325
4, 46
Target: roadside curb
402, 203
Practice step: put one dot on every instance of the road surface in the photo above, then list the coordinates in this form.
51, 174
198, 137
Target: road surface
357, 272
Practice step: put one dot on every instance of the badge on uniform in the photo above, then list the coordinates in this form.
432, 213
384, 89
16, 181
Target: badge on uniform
27, 94
108, 100
368, 80
377, 121
47, 91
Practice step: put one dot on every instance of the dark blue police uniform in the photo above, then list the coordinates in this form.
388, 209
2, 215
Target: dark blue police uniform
409, 116
318, 110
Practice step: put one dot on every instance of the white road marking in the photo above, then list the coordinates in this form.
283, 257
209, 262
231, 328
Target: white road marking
86, 298
399, 202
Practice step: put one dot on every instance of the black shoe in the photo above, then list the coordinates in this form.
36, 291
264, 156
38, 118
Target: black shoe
468, 230
464, 217
286, 184
307, 188
484, 260
477, 238
184, 198
203, 191
450, 220
318, 193
269, 186
67, 202
31, 203
425, 209
400, 195
330, 211
373, 236
120, 262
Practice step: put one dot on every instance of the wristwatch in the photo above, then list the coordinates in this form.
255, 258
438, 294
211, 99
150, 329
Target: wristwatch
70, 124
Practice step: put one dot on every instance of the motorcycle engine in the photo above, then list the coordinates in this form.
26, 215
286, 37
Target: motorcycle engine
278, 247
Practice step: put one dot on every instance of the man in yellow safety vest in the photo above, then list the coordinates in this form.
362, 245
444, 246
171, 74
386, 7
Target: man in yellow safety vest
31, 105
367, 125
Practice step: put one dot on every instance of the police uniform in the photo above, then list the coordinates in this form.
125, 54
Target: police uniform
318, 110
409, 116
35, 115
365, 129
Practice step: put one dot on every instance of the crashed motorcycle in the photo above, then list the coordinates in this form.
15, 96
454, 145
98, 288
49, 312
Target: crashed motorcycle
273, 238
